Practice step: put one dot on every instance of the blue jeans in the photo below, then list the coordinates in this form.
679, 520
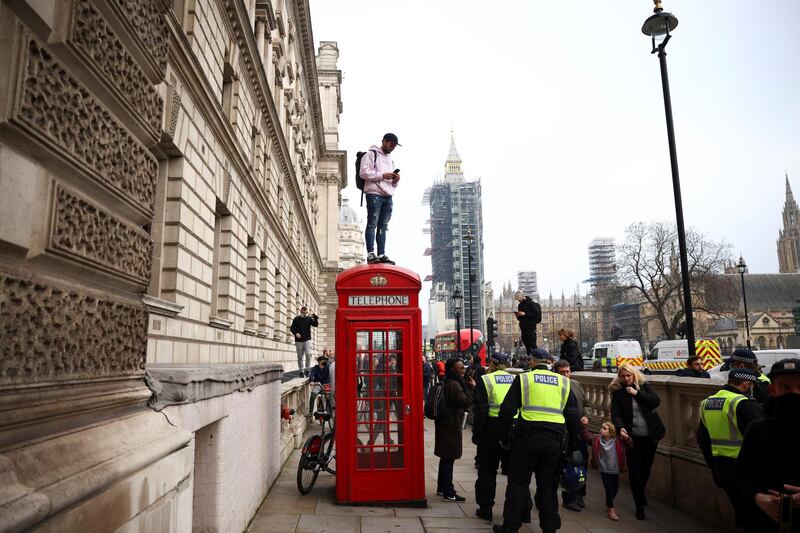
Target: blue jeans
379, 211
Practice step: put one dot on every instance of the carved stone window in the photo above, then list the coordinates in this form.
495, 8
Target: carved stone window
230, 92
253, 292
221, 268
266, 287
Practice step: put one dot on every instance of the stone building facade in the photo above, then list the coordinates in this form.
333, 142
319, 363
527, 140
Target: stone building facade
351, 237
169, 188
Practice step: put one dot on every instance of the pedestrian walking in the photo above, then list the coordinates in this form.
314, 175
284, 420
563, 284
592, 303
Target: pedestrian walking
528, 313
380, 180
573, 500
490, 391
427, 375
693, 369
633, 411
720, 440
746, 358
440, 370
301, 329
547, 412
608, 452
768, 461
569, 349
448, 446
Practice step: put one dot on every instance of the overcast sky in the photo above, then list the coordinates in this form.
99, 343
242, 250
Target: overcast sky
557, 107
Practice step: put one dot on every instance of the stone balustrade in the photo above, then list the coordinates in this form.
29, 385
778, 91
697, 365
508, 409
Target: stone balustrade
295, 394
680, 476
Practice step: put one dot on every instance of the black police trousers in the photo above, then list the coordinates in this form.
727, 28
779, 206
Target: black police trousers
748, 516
490, 455
537, 454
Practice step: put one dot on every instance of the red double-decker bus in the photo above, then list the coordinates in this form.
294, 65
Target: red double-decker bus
444, 345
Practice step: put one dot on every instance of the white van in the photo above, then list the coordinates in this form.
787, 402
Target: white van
675, 349
605, 354
766, 358
668, 356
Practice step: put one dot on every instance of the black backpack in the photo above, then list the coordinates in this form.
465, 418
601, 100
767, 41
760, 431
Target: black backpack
359, 180
537, 313
435, 405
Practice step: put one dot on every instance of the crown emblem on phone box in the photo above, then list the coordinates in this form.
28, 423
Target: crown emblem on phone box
378, 281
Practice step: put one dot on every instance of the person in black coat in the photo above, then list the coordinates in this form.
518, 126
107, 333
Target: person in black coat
569, 349
768, 461
447, 438
633, 412
528, 313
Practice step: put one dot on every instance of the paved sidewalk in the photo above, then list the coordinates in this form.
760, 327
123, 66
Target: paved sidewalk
285, 510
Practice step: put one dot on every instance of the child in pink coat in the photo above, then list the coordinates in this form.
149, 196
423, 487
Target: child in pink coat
608, 456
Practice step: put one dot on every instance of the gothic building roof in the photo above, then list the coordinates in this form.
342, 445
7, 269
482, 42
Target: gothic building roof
453, 155
770, 291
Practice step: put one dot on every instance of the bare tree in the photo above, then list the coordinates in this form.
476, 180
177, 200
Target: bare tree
649, 265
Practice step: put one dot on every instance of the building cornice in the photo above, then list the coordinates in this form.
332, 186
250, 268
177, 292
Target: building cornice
195, 83
248, 52
303, 18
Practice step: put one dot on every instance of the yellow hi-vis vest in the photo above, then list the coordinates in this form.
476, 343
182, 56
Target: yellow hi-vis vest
764, 379
718, 413
544, 396
498, 383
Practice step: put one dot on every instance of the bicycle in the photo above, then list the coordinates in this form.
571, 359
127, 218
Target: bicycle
317, 453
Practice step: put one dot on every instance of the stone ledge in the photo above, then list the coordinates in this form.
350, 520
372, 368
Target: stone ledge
160, 306
46, 477
182, 384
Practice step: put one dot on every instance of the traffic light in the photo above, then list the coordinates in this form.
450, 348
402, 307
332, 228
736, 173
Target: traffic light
494, 329
490, 332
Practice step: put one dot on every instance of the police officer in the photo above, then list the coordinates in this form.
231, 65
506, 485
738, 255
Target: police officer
745, 358
724, 418
547, 409
768, 461
490, 391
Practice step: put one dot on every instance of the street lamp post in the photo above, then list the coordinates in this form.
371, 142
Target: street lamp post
469, 240
658, 27
457, 297
580, 329
742, 268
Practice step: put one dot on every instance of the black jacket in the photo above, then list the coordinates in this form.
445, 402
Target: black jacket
320, 374
747, 412
622, 408
761, 391
512, 403
769, 456
529, 319
427, 372
571, 353
302, 325
690, 373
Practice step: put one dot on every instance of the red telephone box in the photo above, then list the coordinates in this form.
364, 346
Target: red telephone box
380, 455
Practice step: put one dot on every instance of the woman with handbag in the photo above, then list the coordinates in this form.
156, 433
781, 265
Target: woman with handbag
633, 411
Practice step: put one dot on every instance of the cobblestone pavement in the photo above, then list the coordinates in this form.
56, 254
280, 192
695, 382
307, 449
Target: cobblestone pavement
285, 510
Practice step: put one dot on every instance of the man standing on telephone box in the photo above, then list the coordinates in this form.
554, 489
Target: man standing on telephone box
529, 313
380, 180
547, 409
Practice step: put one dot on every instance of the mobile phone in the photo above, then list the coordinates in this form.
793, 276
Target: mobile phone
396, 171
